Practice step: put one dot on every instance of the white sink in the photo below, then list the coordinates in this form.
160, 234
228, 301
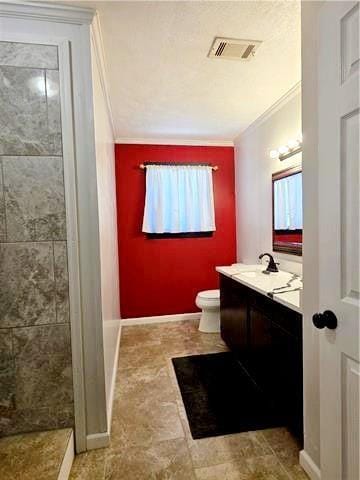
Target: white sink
284, 287
267, 282
249, 274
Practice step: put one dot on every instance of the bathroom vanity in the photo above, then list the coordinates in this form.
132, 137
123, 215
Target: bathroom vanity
266, 335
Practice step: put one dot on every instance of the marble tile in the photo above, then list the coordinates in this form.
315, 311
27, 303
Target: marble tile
139, 336
228, 448
145, 422
151, 354
193, 347
183, 417
225, 471
61, 282
162, 461
28, 55
89, 465
23, 119
33, 456
34, 198
143, 382
289, 459
27, 291
37, 419
2, 208
150, 436
43, 367
266, 467
184, 338
54, 115
287, 450
7, 375
280, 438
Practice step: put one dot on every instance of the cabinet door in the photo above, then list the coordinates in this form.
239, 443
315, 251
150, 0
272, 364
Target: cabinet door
286, 362
233, 315
259, 360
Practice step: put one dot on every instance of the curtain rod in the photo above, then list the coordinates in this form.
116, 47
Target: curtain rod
144, 165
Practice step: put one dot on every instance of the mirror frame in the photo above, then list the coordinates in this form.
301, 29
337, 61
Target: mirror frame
291, 248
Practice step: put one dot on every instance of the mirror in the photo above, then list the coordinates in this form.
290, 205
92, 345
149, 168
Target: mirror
287, 211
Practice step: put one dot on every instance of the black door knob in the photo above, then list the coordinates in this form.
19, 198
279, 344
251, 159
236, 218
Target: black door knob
327, 319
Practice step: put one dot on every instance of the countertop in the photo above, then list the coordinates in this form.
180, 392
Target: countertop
251, 276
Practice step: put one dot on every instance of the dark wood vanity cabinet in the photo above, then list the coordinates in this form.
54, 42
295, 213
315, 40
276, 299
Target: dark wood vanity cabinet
267, 339
233, 315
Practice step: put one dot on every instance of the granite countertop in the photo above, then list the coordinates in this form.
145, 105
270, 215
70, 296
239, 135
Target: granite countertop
283, 287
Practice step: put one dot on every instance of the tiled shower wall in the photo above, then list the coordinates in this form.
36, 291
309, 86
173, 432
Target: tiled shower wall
36, 390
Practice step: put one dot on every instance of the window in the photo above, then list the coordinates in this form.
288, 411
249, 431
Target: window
179, 199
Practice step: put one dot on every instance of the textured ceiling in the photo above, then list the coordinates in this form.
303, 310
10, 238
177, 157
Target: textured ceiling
161, 83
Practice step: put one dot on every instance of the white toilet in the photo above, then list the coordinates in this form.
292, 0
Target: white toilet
209, 302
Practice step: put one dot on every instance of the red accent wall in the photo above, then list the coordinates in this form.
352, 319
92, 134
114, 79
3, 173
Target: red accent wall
163, 276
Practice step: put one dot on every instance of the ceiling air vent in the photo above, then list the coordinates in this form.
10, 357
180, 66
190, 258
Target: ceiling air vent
233, 49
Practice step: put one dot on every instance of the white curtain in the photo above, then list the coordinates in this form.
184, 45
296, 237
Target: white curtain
288, 214
178, 199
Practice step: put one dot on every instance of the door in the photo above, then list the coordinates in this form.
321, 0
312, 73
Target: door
338, 76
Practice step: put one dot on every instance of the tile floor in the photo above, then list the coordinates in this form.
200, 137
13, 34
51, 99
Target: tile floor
33, 456
150, 434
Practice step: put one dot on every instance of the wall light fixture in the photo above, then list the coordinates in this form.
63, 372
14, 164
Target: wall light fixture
292, 147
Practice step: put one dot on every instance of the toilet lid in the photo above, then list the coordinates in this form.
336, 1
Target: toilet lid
215, 294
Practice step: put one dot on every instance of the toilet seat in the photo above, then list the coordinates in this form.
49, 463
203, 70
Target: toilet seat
208, 298
209, 294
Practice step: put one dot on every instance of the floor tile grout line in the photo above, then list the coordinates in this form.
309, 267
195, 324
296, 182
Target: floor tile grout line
27, 242
278, 459
55, 286
12, 327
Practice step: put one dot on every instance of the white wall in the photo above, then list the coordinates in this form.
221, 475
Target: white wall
105, 169
253, 170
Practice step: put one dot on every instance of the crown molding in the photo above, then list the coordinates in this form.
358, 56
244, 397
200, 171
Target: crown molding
49, 12
98, 44
290, 94
175, 141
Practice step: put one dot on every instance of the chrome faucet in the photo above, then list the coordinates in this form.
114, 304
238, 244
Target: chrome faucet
272, 266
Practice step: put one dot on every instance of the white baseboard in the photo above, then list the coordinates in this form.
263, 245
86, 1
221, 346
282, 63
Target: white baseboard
97, 440
160, 319
113, 381
66, 464
101, 440
309, 466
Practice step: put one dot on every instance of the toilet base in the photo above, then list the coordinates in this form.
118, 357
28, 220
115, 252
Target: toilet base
210, 321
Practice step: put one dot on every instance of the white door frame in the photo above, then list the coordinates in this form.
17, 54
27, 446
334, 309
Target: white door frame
310, 455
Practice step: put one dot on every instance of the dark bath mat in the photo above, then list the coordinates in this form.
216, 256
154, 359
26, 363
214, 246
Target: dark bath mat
220, 398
